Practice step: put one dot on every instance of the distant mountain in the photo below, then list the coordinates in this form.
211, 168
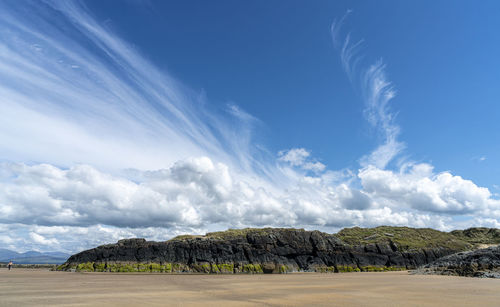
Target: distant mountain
33, 257
30, 254
7, 254
57, 254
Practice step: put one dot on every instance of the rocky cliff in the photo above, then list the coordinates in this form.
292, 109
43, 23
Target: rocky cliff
271, 250
478, 263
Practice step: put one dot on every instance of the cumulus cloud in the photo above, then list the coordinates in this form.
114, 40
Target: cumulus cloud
191, 193
412, 186
15, 237
199, 194
294, 156
300, 157
419, 188
130, 152
42, 240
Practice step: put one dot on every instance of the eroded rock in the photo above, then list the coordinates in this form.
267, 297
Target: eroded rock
478, 263
268, 250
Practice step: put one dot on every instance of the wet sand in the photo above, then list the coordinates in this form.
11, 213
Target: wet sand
21, 287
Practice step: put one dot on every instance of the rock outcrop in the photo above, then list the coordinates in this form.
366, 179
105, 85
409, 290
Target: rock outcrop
478, 263
268, 250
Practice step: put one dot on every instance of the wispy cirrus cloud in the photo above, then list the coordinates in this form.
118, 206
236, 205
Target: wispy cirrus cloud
66, 93
100, 144
376, 92
479, 158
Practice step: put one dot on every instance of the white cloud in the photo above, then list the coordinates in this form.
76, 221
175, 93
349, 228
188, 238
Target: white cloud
314, 166
349, 51
103, 109
479, 159
42, 240
487, 222
6, 240
300, 157
98, 100
294, 156
413, 186
200, 194
23, 237
377, 93
418, 188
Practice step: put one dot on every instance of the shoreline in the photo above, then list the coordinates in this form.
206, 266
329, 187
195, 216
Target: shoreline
30, 287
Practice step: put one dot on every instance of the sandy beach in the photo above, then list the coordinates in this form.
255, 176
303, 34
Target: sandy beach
22, 287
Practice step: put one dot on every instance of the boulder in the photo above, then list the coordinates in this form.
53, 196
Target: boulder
478, 263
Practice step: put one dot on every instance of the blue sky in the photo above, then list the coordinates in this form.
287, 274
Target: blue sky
157, 118
276, 61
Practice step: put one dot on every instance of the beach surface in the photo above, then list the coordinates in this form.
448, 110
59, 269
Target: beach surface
26, 287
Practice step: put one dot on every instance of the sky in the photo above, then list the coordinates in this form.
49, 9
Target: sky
157, 118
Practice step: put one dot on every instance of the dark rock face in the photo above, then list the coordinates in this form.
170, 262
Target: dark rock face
479, 263
259, 251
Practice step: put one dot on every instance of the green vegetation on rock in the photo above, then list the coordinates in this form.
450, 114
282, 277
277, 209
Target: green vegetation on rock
185, 237
128, 268
156, 267
232, 233
202, 268
85, 267
253, 268
380, 269
285, 269
63, 267
347, 268
235, 233
214, 268
168, 268
178, 268
99, 267
226, 268
142, 267
479, 235
405, 238
252, 250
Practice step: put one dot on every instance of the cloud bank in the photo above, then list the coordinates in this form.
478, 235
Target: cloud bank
200, 195
97, 144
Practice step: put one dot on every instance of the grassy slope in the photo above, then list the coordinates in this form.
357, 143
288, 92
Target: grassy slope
406, 238
479, 235
413, 238
233, 233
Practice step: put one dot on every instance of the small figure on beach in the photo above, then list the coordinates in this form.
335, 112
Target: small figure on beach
9, 265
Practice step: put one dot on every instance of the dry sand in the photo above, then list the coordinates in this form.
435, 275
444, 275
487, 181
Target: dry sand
21, 287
